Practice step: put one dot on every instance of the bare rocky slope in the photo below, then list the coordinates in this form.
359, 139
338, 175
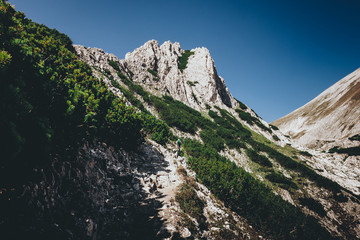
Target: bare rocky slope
329, 119
158, 70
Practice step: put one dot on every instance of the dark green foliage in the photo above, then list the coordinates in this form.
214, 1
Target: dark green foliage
351, 151
289, 163
129, 95
152, 72
242, 106
115, 65
208, 107
177, 114
50, 102
333, 149
212, 139
274, 127
233, 133
195, 98
115, 83
305, 153
231, 137
192, 84
136, 88
158, 130
313, 205
355, 137
260, 159
252, 120
183, 59
249, 197
107, 71
122, 76
276, 138
279, 178
173, 116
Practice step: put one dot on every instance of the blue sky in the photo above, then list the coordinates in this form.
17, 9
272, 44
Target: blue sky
275, 56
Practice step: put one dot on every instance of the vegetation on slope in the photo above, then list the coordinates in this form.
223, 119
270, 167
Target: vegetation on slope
49, 99
248, 196
183, 59
252, 120
351, 151
356, 137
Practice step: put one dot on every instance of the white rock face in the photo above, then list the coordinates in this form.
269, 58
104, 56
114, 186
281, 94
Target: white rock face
196, 85
332, 116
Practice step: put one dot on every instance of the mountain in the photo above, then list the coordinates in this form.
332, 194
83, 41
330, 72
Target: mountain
89, 149
329, 119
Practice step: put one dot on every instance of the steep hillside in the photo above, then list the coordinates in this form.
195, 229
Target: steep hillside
238, 144
89, 149
333, 116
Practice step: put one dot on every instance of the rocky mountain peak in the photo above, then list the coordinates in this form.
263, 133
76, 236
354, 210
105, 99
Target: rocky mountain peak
159, 69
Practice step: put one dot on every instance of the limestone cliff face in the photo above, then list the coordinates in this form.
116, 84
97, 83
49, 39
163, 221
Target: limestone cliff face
196, 85
156, 68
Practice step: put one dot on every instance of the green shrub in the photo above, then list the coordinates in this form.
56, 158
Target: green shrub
231, 137
115, 65
289, 163
260, 159
152, 72
279, 178
249, 197
183, 59
252, 120
178, 115
137, 88
276, 138
212, 139
122, 76
192, 84
115, 83
355, 137
351, 151
233, 133
107, 71
155, 74
242, 106
159, 131
273, 127
50, 102
305, 153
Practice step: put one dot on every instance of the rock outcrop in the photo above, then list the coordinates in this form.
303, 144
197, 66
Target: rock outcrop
157, 69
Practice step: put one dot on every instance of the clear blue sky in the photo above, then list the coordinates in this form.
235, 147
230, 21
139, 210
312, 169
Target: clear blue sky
275, 56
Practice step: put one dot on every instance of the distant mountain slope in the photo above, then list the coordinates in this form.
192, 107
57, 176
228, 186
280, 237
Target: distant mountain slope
332, 116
